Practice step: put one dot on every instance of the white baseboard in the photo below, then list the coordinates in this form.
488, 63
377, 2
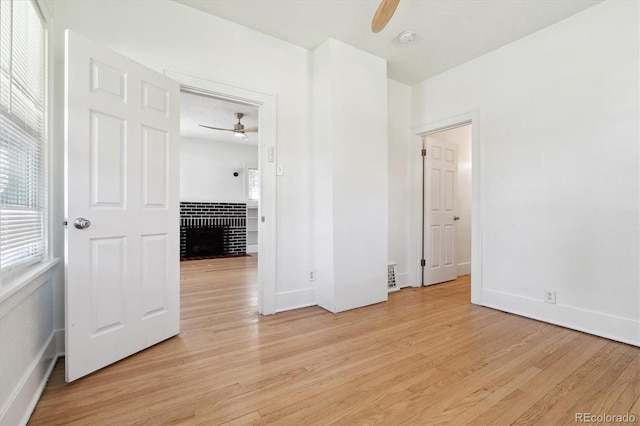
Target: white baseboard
60, 342
288, 300
24, 398
464, 269
609, 326
402, 280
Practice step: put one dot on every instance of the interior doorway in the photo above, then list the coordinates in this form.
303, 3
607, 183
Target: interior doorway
469, 165
219, 176
219, 185
263, 215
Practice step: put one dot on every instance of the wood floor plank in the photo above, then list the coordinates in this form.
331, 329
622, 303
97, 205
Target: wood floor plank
427, 356
558, 402
607, 388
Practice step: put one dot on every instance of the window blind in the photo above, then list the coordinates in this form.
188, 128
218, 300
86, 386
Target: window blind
253, 192
22, 133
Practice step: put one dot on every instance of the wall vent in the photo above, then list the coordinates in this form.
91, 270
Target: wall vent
391, 277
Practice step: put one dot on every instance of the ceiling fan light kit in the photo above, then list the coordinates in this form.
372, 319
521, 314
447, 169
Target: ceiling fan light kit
239, 128
241, 135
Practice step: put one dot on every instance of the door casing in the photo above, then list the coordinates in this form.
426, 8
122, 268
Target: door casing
415, 223
267, 164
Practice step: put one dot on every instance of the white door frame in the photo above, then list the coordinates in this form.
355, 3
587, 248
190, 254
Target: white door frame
267, 165
415, 225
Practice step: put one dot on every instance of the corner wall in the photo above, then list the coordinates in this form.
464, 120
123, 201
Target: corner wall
400, 150
558, 177
350, 175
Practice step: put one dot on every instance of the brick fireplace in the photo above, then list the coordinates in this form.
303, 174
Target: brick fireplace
212, 229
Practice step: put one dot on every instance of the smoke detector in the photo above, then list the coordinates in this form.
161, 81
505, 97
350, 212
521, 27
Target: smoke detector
406, 37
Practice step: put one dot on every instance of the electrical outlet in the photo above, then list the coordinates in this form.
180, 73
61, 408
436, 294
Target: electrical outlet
312, 275
550, 296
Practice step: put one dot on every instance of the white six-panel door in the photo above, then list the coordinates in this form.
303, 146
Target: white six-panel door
122, 175
441, 180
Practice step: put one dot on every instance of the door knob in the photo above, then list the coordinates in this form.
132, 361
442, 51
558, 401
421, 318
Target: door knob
81, 223
456, 218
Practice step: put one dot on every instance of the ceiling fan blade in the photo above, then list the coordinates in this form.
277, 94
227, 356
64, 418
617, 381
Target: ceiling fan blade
249, 130
217, 128
383, 14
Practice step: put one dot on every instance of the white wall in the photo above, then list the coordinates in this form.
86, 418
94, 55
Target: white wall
399, 150
558, 168
206, 170
175, 37
350, 173
461, 136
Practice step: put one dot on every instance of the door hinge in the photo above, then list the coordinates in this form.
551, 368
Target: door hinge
424, 152
65, 223
423, 262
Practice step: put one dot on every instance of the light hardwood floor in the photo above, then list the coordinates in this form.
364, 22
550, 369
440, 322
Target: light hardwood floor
425, 357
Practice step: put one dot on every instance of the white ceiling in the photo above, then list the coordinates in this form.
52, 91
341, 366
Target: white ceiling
449, 32
196, 109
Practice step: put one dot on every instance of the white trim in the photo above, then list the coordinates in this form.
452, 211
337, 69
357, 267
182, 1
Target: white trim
267, 246
609, 326
464, 268
20, 286
23, 400
59, 340
294, 299
415, 164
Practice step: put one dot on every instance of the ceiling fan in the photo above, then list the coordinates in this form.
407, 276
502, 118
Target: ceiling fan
383, 14
238, 129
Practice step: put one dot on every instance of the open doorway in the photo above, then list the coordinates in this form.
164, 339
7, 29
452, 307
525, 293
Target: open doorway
219, 176
469, 165
127, 268
219, 195
266, 164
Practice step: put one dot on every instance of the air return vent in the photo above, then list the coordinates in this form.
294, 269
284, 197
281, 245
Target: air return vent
391, 277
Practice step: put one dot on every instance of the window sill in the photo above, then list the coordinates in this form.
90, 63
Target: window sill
21, 285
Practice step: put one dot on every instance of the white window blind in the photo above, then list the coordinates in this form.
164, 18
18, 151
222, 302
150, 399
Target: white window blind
253, 184
23, 73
